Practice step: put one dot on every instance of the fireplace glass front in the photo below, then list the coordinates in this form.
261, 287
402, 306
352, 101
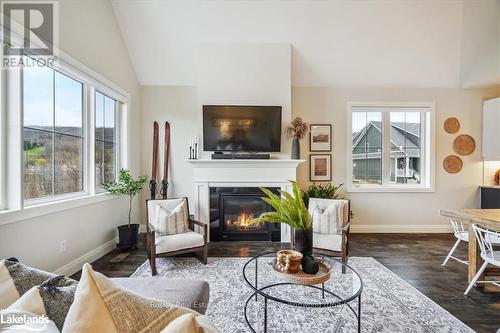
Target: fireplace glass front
231, 209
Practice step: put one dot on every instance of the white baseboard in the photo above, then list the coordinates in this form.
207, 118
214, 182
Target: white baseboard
389, 228
76, 265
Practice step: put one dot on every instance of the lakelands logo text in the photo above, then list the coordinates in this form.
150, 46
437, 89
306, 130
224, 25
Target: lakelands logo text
29, 29
23, 322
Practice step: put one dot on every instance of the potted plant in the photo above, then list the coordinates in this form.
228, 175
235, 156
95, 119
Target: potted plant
290, 210
296, 131
322, 191
127, 185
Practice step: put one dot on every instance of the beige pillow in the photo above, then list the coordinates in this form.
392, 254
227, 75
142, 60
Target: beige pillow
8, 290
189, 323
101, 306
172, 221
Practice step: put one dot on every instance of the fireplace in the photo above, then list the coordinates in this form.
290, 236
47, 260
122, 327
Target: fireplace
231, 208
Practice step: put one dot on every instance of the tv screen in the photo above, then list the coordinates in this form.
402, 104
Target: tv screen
239, 128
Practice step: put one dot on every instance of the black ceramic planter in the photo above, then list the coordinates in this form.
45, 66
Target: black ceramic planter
303, 240
128, 236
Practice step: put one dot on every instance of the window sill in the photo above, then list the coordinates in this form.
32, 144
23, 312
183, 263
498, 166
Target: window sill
390, 189
33, 211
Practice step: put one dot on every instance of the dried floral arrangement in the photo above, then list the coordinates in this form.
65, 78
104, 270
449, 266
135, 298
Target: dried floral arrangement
297, 129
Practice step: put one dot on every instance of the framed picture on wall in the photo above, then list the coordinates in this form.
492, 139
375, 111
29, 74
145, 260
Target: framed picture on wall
320, 137
320, 167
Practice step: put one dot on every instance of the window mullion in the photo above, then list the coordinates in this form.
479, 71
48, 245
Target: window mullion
386, 149
91, 125
53, 133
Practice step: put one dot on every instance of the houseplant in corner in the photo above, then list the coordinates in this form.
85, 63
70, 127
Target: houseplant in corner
127, 185
290, 210
296, 131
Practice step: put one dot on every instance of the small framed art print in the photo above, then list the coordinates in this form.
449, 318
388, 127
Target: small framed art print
320, 137
320, 167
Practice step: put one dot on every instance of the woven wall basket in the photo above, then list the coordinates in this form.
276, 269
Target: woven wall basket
452, 164
451, 125
464, 144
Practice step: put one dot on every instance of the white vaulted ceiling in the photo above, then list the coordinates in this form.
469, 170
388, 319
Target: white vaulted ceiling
442, 43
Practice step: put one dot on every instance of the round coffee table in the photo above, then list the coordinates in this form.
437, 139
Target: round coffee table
340, 289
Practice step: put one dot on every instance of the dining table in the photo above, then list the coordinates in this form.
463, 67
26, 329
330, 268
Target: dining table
487, 218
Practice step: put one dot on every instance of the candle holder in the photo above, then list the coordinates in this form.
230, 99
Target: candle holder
193, 147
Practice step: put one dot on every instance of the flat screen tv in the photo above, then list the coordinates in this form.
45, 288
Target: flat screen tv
241, 128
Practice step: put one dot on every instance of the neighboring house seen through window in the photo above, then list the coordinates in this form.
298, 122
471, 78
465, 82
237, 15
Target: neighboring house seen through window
390, 147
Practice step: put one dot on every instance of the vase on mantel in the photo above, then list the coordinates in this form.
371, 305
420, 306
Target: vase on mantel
295, 149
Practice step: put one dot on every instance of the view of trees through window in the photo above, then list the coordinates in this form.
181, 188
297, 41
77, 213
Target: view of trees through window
52, 132
105, 140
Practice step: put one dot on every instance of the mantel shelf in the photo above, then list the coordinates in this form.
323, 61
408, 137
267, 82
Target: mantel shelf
271, 163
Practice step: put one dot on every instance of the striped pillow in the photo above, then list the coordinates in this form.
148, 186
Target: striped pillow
172, 222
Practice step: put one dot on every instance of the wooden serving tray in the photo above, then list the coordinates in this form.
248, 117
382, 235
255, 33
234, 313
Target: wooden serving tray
300, 277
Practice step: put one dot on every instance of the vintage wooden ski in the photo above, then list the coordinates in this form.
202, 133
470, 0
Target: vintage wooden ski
166, 151
154, 163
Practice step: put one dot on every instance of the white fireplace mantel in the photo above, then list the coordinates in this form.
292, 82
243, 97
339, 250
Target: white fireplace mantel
240, 173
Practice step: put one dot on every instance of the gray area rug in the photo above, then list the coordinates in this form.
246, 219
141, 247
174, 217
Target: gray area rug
389, 304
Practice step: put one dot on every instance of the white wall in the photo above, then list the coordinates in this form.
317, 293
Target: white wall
246, 74
88, 32
335, 43
178, 106
480, 46
392, 212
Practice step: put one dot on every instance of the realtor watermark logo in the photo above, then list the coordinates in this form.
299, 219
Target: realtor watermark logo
29, 28
23, 322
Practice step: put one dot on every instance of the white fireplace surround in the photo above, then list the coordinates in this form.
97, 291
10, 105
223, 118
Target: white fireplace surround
240, 173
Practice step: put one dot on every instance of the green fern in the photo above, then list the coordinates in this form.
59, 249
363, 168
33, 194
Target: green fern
289, 209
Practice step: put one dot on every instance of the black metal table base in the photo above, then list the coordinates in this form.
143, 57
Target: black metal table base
357, 314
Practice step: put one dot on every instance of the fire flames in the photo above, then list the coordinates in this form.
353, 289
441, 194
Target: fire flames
243, 221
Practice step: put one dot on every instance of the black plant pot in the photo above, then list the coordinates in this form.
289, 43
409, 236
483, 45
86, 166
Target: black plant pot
303, 241
128, 236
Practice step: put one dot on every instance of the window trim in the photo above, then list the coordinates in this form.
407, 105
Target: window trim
429, 158
12, 206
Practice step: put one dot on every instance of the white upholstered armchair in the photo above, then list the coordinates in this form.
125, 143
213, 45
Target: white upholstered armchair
331, 223
170, 231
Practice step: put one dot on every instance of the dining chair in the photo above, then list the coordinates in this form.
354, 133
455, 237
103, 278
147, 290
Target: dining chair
461, 234
486, 239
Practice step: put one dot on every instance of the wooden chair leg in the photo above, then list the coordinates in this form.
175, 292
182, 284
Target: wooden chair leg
152, 258
344, 261
152, 263
205, 254
148, 247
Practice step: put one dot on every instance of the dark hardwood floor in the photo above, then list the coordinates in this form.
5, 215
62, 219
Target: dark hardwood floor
415, 258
